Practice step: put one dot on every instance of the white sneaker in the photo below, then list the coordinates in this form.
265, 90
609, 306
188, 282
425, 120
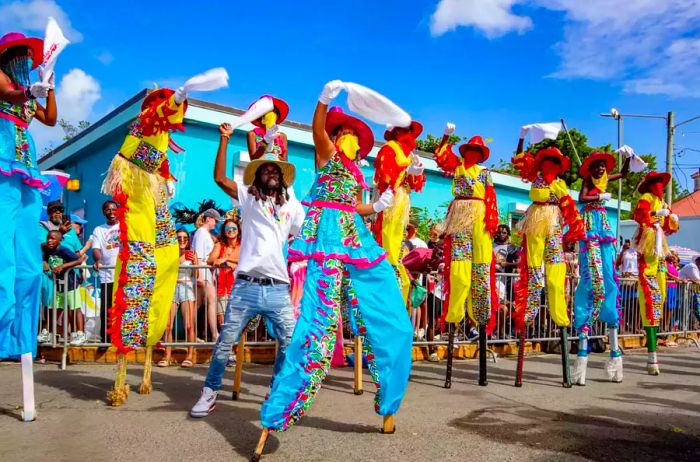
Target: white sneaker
44, 336
578, 376
613, 369
434, 358
206, 403
77, 338
421, 334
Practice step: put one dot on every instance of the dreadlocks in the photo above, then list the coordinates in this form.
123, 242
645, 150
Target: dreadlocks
257, 189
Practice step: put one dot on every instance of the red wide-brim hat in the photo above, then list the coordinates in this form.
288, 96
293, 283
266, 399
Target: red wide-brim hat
551, 153
279, 104
17, 39
158, 96
416, 128
651, 177
337, 118
476, 143
594, 157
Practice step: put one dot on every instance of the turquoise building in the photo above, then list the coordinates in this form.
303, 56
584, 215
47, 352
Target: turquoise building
87, 156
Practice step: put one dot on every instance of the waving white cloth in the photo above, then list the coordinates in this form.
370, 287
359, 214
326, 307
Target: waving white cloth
636, 163
213, 79
375, 107
257, 110
54, 43
540, 131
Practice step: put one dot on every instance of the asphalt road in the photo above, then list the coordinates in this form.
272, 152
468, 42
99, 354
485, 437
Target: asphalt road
643, 418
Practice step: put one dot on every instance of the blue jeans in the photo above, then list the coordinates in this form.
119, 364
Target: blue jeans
248, 300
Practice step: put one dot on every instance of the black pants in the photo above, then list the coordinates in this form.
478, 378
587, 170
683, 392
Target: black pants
106, 299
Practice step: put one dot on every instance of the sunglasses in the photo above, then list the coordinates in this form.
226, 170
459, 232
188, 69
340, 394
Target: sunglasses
231, 228
183, 238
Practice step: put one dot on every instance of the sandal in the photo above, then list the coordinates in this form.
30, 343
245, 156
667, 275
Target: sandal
163, 363
187, 364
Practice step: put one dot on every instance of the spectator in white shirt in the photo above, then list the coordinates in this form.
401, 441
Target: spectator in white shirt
203, 244
691, 271
691, 295
105, 249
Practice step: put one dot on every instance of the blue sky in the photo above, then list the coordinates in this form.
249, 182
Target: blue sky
490, 66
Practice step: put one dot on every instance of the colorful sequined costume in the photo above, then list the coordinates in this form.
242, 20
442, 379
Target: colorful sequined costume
347, 269
542, 227
147, 266
391, 168
472, 219
650, 243
20, 207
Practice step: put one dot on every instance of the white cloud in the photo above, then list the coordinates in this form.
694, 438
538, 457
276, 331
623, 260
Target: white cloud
75, 98
493, 18
647, 46
32, 16
105, 57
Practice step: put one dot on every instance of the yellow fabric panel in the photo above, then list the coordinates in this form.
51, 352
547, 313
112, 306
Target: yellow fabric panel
460, 285
559, 188
555, 277
167, 262
473, 173
539, 194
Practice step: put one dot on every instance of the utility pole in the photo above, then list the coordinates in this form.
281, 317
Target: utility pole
619, 183
669, 156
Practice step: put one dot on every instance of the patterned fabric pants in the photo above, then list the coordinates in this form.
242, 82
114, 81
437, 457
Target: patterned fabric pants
597, 292
375, 312
146, 270
652, 285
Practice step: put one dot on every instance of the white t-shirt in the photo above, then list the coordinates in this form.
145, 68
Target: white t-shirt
629, 262
265, 228
203, 244
106, 238
690, 272
418, 243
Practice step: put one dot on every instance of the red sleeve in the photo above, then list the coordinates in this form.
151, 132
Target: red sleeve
447, 160
642, 213
385, 167
164, 170
491, 216
416, 182
572, 219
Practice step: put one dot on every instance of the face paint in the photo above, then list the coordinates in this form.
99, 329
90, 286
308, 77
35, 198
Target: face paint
471, 157
407, 140
550, 170
657, 189
269, 119
348, 144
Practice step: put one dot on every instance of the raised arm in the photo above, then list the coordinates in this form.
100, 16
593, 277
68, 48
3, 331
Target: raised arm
322, 142
623, 172
229, 186
444, 157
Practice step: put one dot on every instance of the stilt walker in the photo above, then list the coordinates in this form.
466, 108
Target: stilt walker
597, 294
346, 268
20, 202
655, 221
140, 181
472, 220
399, 169
542, 227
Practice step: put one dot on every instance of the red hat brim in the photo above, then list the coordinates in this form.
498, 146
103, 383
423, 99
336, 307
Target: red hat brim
161, 94
364, 133
34, 44
551, 153
609, 159
281, 106
485, 151
652, 176
416, 128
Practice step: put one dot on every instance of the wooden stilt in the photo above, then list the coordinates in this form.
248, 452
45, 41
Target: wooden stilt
358, 366
450, 354
566, 376
29, 409
118, 395
388, 426
521, 358
482, 356
239, 367
261, 445
146, 386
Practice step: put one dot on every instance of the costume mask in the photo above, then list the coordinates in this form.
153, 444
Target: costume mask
407, 140
349, 145
657, 189
269, 119
471, 157
550, 170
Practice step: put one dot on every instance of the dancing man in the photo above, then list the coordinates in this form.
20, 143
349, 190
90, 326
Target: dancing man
268, 216
597, 293
471, 222
655, 222
542, 227
398, 169
347, 269
20, 201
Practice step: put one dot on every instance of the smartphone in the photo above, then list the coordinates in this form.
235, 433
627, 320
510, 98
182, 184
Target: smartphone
66, 218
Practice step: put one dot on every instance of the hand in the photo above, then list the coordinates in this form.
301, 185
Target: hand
39, 89
170, 186
57, 269
270, 134
65, 227
190, 256
449, 128
626, 151
384, 201
96, 266
663, 212
330, 91
180, 96
604, 196
80, 253
51, 80
416, 167
226, 130
523, 130
674, 217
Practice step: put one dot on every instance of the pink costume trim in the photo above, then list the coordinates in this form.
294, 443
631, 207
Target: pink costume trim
329, 205
295, 255
26, 178
14, 120
354, 170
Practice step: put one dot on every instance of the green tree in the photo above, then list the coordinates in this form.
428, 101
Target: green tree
431, 142
70, 130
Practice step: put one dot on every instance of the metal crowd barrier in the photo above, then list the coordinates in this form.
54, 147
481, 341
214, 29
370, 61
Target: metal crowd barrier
92, 301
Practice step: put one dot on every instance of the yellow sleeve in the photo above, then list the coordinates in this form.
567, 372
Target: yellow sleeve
559, 188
